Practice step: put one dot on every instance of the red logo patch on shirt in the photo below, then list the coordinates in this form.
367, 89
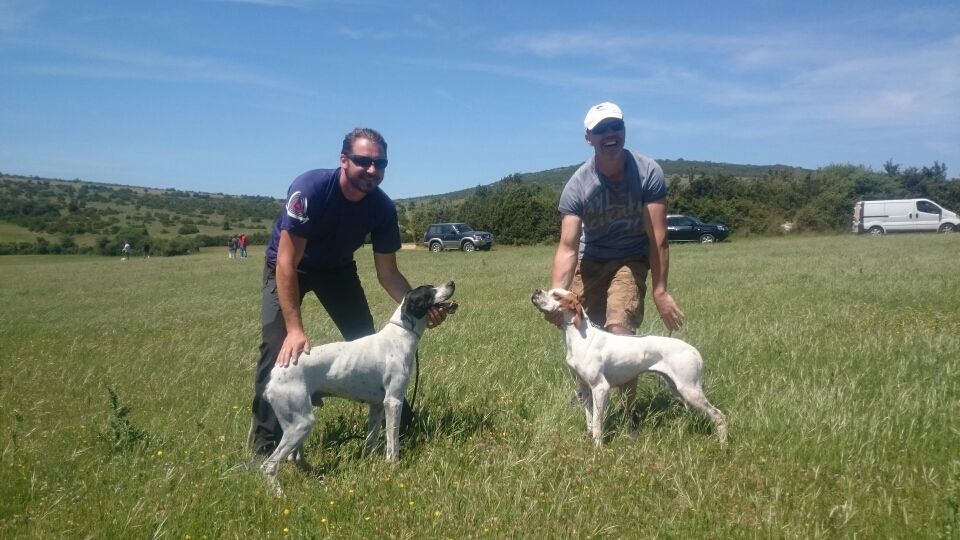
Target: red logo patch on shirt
297, 207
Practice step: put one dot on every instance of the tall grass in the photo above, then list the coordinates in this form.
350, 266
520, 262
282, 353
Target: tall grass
125, 390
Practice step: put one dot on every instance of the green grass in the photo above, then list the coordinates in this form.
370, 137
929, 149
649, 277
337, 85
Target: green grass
835, 359
15, 233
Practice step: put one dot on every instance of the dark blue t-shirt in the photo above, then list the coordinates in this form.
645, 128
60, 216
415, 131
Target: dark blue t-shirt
333, 226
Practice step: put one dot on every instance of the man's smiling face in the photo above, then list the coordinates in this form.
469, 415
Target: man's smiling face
607, 138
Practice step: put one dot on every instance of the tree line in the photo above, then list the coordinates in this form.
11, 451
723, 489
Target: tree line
520, 212
519, 209
115, 214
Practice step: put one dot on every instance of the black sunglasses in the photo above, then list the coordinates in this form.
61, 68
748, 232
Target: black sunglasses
616, 125
364, 162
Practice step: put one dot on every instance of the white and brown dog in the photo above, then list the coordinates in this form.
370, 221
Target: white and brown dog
601, 360
374, 369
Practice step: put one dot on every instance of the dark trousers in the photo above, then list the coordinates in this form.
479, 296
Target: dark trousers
341, 294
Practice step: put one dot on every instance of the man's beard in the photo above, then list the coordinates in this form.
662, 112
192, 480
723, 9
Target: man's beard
365, 183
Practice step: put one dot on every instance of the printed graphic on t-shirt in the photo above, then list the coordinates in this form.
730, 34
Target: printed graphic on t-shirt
297, 207
621, 213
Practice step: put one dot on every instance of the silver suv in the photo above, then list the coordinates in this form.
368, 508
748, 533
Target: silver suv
441, 236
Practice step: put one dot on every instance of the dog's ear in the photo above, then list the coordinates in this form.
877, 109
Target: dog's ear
578, 314
577, 309
417, 302
571, 302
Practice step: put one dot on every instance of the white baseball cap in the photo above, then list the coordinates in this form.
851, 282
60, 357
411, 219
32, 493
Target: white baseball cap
601, 112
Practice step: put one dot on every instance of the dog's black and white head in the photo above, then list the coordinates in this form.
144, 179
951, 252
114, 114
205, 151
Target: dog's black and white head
418, 302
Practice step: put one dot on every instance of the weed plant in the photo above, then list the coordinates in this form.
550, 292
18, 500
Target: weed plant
125, 393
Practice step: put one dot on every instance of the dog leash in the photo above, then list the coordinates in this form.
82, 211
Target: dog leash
450, 308
416, 380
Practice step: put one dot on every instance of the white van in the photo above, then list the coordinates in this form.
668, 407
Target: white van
903, 215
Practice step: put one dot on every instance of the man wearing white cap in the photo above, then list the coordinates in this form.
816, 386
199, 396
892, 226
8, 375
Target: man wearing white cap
614, 230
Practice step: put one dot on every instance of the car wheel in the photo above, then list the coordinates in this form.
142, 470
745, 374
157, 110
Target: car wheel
876, 230
707, 238
435, 247
468, 246
948, 227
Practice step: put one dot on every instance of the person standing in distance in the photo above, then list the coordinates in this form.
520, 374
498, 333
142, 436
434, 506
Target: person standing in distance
328, 214
614, 230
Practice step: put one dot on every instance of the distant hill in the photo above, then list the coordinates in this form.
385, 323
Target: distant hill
43, 215
94, 216
555, 179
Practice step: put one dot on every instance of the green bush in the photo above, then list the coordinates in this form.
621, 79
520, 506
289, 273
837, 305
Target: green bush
177, 246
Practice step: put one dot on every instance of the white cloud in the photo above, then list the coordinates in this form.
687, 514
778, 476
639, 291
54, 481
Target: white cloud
80, 59
801, 75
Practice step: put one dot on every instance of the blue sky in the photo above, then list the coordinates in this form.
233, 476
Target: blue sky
240, 97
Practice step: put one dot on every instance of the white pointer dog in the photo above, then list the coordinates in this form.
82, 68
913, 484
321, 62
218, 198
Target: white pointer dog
373, 369
601, 360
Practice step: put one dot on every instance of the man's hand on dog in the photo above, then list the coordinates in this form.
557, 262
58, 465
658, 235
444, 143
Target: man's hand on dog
438, 313
295, 343
435, 317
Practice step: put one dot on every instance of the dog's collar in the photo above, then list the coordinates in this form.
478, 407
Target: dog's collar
420, 335
589, 323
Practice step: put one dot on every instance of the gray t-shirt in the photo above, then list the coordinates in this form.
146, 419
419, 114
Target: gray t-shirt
612, 213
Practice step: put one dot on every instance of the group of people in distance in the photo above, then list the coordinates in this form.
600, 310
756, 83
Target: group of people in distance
237, 246
127, 250
613, 233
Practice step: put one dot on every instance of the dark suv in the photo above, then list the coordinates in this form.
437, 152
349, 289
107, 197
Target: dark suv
684, 228
440, 236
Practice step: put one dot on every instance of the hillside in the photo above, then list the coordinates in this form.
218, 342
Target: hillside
94, 216
46, 210
40, 215
554, 179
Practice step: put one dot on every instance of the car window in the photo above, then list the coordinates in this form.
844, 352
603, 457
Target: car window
927, 206
681, 221
447, 229
463, 227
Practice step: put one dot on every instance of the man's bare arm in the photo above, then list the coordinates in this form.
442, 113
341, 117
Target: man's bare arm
565, 260
289, 252
655, 214
396, 285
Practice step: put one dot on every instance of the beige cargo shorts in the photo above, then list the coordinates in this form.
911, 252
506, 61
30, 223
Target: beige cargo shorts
612, 291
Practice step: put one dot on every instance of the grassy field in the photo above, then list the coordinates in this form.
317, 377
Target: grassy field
125, 390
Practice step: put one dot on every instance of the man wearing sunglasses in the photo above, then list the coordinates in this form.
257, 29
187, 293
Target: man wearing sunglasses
328, 214
614, 230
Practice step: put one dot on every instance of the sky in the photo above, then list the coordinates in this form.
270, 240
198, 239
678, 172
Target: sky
241, 96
